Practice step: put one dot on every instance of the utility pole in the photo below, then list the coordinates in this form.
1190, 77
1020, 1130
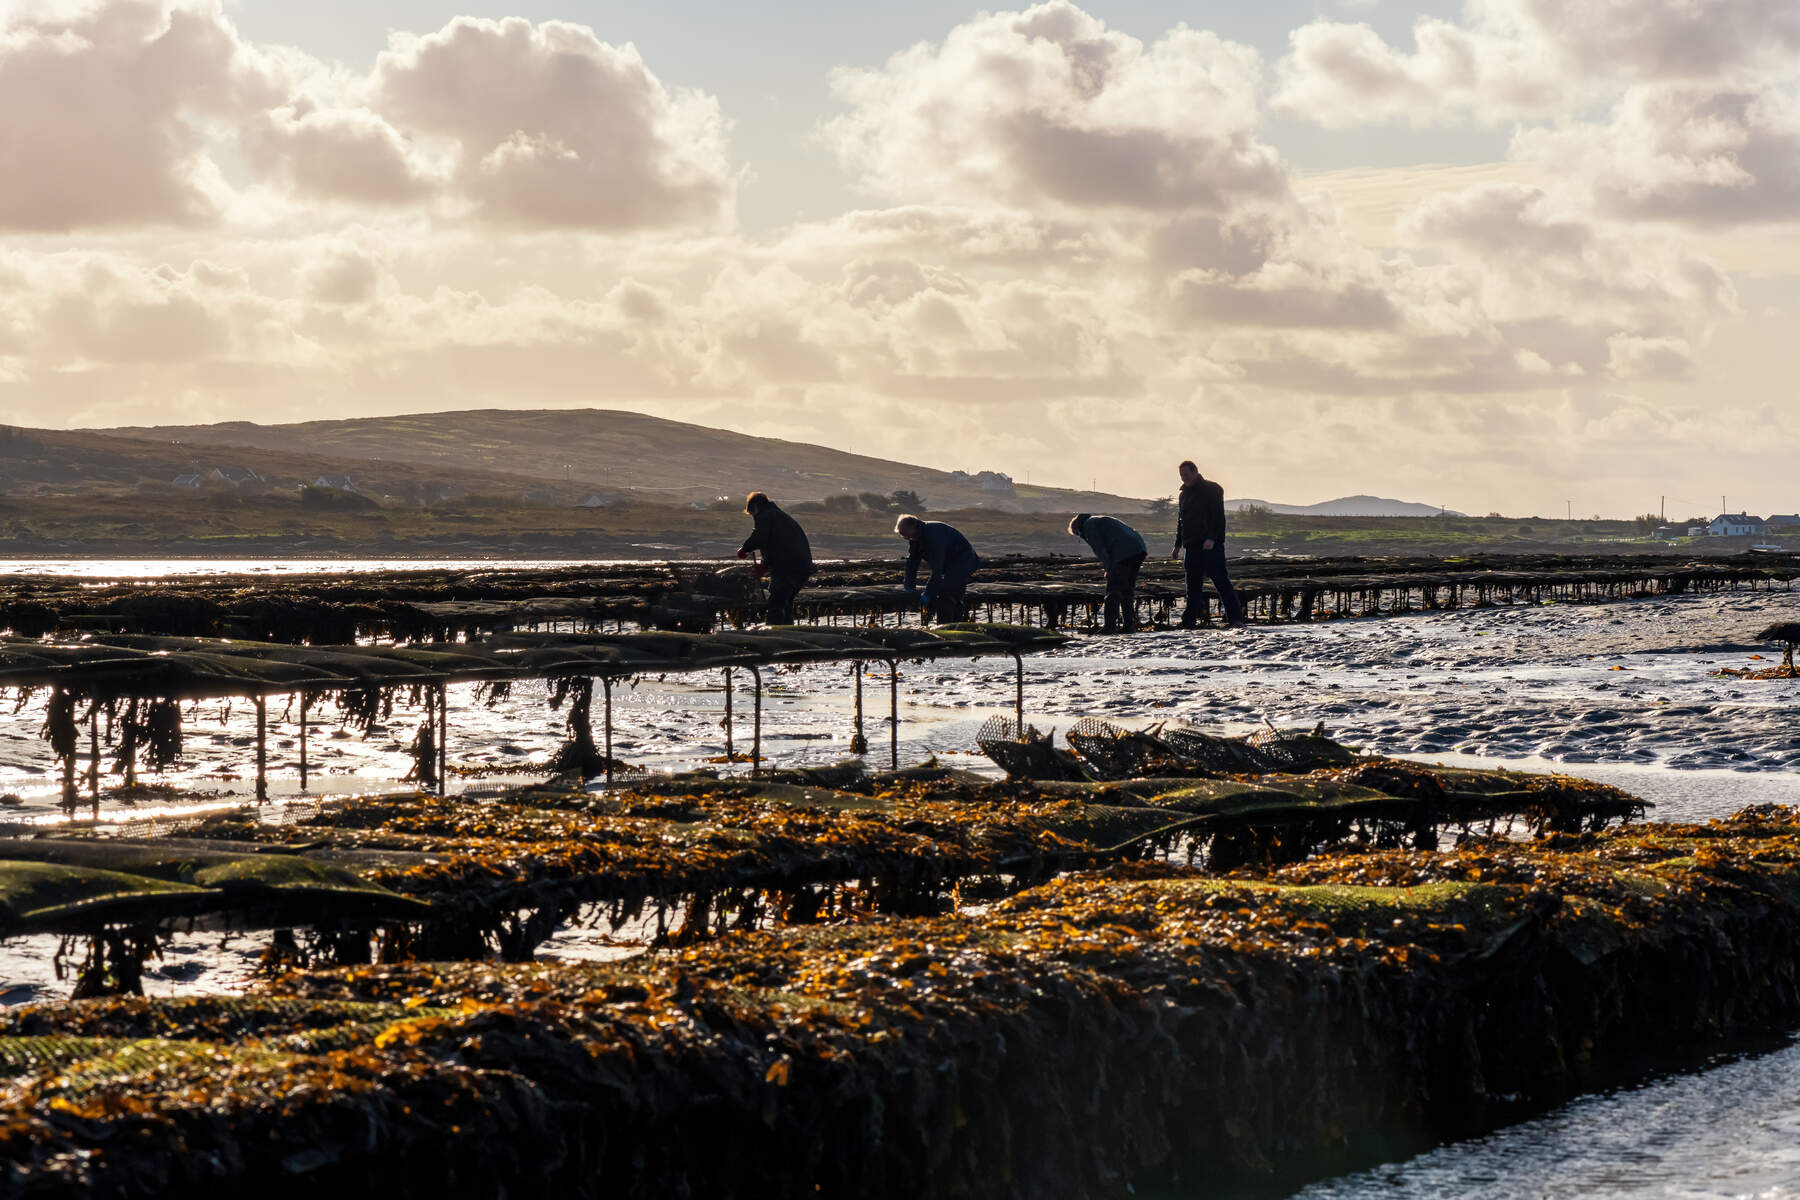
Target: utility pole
1662, 510
1568, 510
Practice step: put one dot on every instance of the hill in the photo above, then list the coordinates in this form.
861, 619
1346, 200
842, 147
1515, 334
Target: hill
573, 453
1347, 506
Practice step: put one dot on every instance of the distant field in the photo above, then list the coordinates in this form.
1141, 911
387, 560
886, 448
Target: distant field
164, 521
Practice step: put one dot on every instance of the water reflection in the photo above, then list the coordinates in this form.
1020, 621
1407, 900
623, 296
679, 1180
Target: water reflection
1731, 1131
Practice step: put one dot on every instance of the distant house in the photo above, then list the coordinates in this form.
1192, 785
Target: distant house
237, 476
1665, 532
337, 483
186, 481
1784, 523
1736, 525
595, 500
987, 481
1696, 531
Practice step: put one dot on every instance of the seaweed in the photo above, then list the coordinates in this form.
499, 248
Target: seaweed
1143, 1028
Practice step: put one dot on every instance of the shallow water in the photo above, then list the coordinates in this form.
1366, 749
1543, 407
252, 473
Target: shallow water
1726, 1133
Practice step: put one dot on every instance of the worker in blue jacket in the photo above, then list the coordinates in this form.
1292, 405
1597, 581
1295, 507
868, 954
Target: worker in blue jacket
1121, 551
953, 561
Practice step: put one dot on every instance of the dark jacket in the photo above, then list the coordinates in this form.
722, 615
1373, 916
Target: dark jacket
945, 548
1202, 515
1112, 540
782, 542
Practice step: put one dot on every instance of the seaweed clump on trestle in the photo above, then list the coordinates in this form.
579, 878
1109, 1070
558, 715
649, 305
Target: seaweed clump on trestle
1144, 1028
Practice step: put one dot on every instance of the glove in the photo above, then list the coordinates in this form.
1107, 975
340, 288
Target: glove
927, 600
743, 554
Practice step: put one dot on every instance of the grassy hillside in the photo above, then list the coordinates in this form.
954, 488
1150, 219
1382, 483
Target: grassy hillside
613, 450
84, 462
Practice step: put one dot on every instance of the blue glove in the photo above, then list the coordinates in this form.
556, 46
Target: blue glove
927, 600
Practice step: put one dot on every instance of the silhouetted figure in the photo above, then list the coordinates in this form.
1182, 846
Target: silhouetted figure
953, 562
1121, 550
786, 555
1200, 530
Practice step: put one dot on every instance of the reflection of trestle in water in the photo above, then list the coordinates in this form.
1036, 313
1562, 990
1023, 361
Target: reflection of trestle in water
137, 683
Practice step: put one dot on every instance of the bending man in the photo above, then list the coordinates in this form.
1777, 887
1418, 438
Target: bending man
786, 555
953, 561
1121, 550
1200, 530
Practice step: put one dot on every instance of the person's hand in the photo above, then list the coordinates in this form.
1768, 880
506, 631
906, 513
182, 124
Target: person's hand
743, 554
1175, 554
1207, 544
761, 570
927, 600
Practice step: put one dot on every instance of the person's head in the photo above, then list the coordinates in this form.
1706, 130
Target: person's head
909, 527
1076, 523
755, 502
1189, 472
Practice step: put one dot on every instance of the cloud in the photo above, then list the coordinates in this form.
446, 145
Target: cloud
1698, 157
347, 155
1525, 59
135, 105
555, 129
106, 111
1049, 108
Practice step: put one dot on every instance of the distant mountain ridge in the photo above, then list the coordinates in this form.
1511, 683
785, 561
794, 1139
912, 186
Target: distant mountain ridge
1347, 506
613, 451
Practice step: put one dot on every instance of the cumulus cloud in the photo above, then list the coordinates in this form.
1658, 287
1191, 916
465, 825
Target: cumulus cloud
554, 128
136, 103
1048, 107
1696, 156
341, 154
106, 108
1514, 59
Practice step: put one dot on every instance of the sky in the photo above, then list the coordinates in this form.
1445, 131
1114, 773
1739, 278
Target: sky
1527, 256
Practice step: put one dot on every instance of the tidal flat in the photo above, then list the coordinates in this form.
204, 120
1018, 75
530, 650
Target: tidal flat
1626, 692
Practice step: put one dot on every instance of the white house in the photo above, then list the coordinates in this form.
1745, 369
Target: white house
186, 481
987, 481
337, 483
1736, 525
236, 475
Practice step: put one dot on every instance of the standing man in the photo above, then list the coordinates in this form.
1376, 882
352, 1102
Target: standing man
953, 561
1200, 530
1121, 550
786, 555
